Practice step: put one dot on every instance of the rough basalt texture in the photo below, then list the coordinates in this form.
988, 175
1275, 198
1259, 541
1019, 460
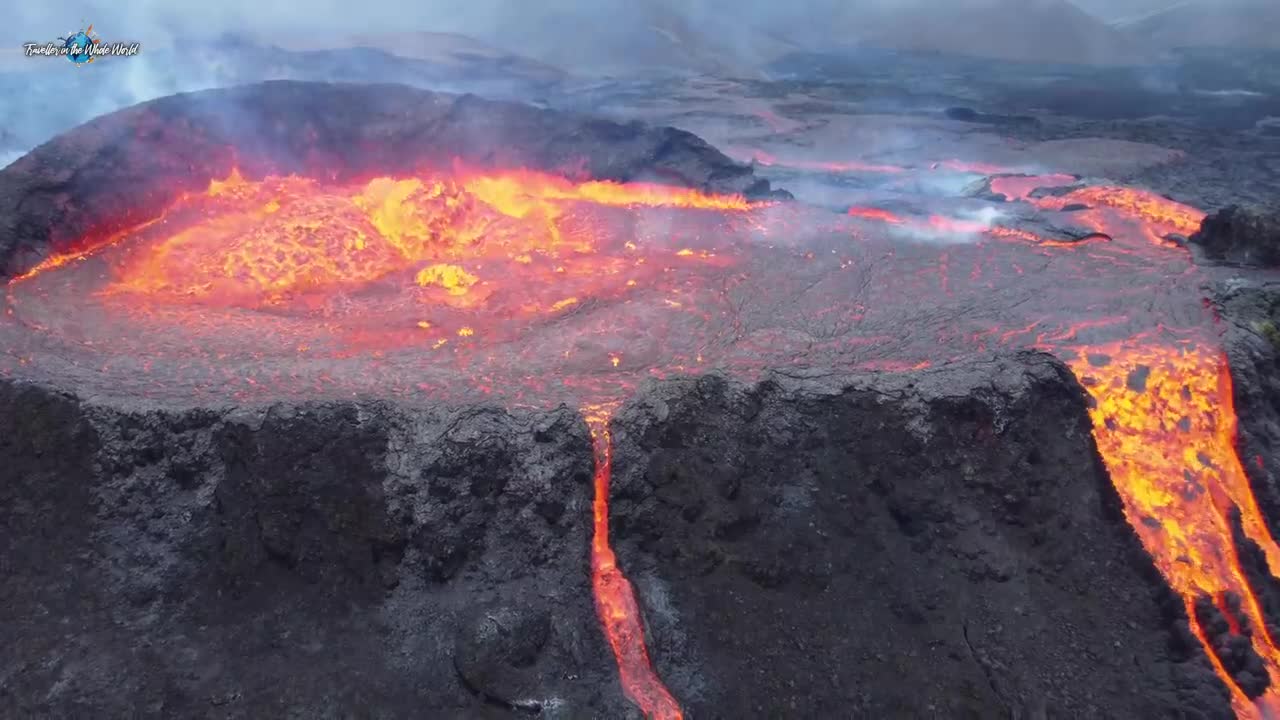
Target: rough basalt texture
1250, 311
125, 167
941, 543
944, 544
1237, 235
297, 561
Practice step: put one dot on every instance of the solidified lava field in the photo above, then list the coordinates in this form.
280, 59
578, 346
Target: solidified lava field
355, 249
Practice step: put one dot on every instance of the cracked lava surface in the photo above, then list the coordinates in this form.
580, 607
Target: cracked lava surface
530, 290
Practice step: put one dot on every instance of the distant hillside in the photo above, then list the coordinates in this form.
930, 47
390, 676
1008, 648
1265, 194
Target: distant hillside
1115, 10
617, 36
1211, 23
1052, 31
438, 48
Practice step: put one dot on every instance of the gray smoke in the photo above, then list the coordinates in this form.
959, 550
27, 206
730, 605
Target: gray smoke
190, 46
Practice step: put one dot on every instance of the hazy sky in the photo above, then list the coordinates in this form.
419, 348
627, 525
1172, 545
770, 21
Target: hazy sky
544, 28
141, 20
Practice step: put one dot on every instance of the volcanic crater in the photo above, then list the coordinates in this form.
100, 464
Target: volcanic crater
326, 399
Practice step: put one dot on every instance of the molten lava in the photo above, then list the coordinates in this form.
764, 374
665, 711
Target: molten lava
1156, 212
1153, 216
615, 598
1165, 428
939, 225
255, 243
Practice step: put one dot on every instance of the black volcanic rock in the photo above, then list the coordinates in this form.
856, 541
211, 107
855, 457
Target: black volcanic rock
1251, 315
969, 115
940, 545
1240, 236
305, 560
868, 546
153, 152
1056, 228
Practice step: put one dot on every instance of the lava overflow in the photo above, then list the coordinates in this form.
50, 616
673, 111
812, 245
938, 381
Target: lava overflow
529, 288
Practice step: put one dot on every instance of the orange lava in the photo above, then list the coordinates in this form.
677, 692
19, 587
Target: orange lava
1158, 212
454, 236
872, 213
1152, 215
935, 223
951, 226
1166, 428
615, 598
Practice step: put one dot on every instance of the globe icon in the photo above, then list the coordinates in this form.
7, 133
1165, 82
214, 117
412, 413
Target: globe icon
78, 48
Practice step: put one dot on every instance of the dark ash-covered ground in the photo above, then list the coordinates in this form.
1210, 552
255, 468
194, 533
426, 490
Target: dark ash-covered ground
944, 544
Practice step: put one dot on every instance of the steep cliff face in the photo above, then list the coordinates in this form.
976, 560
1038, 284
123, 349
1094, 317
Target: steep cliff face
1250, 311
945, 543
297, 559
1243, 236
867, 545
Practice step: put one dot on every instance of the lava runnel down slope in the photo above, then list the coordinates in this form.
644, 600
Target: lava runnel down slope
1162, 414
1165, 428
615, 598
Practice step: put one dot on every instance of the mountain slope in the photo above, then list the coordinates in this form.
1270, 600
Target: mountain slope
1052, 31
1211, 23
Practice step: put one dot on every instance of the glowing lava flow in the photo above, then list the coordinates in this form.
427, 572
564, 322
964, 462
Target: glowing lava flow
615, 598
1154, 216
1165, 427
252, 241
940, 225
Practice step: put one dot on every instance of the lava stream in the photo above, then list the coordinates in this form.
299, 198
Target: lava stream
1165, 426
615, 598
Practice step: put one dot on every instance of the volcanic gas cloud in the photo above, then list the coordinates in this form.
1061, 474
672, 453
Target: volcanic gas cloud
523, 286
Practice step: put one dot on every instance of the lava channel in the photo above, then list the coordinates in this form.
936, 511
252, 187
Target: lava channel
1164, 423
615, 598
1165, 426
